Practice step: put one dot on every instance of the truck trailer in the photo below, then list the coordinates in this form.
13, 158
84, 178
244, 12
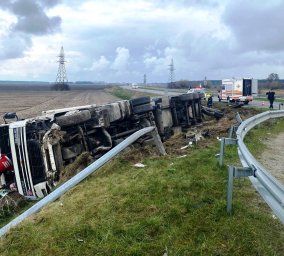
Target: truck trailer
34, 151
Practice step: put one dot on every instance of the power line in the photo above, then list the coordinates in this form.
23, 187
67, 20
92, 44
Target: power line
145, 79
172, 74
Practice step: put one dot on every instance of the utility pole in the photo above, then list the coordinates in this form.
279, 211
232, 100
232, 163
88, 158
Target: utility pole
172, 75
145, 80
61, 83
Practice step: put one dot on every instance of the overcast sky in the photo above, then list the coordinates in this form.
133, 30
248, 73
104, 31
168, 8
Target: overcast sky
120, 41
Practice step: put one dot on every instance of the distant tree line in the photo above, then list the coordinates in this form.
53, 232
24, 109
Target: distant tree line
186, 84
271, 82
60, 87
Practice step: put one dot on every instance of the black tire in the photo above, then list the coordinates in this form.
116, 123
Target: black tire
142, 108
186, 97
140, 101
74, 118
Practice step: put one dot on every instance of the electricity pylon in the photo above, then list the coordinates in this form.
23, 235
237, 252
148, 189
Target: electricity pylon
61, 82
172, 75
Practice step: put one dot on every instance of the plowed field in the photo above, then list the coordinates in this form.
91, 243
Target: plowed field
27, 103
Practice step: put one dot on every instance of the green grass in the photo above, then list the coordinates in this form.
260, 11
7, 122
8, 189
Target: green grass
269, 128
265, 99
174, 204
121, 93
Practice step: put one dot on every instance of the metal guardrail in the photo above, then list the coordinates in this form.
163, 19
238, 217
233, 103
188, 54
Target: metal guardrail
84, 174
269, 188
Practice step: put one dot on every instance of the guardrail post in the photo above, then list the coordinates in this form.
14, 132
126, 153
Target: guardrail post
230, 188
232, 130
158, 142
238, 118
236, 172
225, 141
234, 127
222, 148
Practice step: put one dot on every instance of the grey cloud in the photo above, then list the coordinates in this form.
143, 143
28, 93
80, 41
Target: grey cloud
14, 45
50, 3
31, 16
5, 4
32, 19
37, 24
199, 3
256, 26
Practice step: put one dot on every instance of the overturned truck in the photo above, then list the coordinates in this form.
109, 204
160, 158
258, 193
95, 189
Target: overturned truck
34, 151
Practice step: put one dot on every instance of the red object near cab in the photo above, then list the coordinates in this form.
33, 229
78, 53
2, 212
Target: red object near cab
5, 163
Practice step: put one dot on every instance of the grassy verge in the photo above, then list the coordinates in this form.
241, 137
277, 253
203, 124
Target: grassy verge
269, 128
173, 204
121, 93
128, 94
265, 99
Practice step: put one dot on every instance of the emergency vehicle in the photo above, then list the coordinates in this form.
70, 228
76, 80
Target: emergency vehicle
238, 90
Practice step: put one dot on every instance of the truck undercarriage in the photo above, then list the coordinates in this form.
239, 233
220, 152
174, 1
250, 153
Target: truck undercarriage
39, 148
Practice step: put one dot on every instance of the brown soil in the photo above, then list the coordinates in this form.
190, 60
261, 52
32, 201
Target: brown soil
31, 103
272, 157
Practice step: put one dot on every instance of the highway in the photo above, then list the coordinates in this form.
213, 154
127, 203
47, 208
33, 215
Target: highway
175, 92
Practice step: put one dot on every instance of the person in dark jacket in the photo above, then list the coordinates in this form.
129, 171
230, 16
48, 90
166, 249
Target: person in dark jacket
271, 98
210, 101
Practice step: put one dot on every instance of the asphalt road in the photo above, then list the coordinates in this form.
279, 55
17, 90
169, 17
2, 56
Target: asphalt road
176, 92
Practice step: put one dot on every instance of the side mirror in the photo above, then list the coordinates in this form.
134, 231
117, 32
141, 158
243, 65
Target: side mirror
10, 115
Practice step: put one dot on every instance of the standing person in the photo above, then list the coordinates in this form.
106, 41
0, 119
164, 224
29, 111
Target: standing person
271, 98
210, 101
219, 95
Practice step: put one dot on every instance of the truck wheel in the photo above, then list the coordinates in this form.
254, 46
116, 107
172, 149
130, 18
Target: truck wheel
74, 118
140, 101
142, 108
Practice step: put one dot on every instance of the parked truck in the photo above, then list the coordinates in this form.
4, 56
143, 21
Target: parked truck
238, 90
34, 151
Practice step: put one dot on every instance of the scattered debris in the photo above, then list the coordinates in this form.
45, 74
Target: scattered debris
78, 165
10, 202
193, 136
166, 251
139, 165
